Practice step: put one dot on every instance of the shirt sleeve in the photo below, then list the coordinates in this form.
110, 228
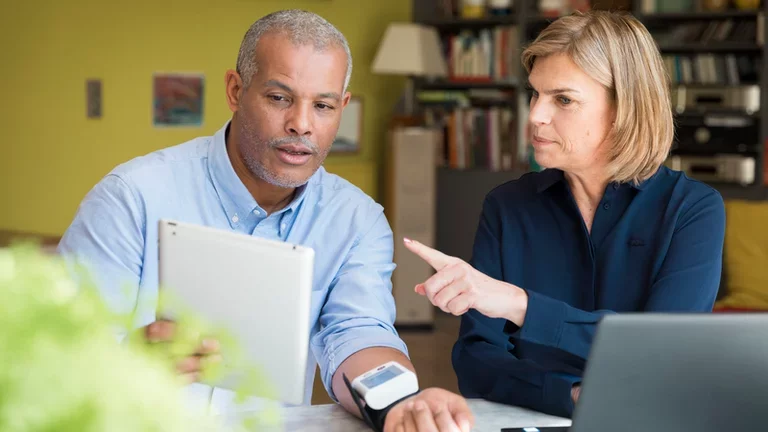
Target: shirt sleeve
359, 312
482, 357
688, 281
106, 239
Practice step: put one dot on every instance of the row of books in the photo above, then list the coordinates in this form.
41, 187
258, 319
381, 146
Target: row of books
484, 138
729, 69
703, 32
671, 6
465, 9
485, 55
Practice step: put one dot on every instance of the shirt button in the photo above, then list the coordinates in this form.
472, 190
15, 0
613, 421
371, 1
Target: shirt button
282, 227
607, 206
235, 219
256, 212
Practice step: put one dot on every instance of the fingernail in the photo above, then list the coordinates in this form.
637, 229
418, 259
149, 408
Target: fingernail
407, 240
464, 425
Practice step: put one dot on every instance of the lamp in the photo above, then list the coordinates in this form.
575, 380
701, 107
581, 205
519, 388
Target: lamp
413, 50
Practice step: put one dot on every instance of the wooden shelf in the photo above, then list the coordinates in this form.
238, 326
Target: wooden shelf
695, 47
472, 103
698, 16
710, 85
715, 112
465, 85
452, 24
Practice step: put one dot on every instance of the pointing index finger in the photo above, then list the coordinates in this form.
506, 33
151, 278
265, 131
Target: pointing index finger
433, 257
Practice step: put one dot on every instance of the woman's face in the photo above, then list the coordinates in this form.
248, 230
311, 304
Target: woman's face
570, 116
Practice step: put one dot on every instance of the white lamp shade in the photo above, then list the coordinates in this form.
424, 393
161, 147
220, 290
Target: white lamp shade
410, 49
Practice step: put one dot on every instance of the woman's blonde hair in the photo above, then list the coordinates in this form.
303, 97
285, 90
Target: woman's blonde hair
617, 51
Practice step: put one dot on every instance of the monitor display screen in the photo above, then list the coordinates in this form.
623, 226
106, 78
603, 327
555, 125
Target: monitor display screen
382, 376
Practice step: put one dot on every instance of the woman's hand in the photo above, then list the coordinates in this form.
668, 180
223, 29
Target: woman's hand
457, 288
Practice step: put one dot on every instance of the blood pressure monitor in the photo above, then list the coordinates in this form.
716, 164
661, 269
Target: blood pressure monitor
380, 388
386, 384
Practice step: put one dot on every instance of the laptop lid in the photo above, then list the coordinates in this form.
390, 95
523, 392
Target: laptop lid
676, 372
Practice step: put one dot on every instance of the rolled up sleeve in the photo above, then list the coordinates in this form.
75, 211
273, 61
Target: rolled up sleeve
359, 312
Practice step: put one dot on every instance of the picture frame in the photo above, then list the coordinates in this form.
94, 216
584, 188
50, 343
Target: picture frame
177, 99
350, 134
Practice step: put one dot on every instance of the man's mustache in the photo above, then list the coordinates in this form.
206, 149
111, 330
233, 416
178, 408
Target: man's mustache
277, 142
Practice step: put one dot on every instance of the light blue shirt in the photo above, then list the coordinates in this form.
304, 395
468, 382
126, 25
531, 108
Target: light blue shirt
115, 233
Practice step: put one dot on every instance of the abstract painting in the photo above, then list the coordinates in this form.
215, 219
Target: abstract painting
178, 99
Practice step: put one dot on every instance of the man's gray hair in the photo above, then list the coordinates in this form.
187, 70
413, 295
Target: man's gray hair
301, 27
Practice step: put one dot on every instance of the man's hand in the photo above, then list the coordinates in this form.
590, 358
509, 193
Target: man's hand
431, 410
189, 367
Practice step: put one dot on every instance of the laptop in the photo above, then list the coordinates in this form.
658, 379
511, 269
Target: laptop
675, 372
257, 290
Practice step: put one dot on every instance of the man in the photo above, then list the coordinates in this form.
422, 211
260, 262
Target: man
261, 175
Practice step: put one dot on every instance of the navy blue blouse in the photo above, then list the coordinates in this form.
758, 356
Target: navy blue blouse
653, 247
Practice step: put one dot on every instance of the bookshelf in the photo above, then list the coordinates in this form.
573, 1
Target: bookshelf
717, 48
721, 48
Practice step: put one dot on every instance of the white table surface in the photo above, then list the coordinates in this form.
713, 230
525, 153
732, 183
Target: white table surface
489, 417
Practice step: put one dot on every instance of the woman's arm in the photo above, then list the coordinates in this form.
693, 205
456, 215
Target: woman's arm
482, 358
486, 368
687, 282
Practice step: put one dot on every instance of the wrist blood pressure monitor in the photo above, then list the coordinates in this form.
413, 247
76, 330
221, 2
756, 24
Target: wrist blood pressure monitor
380, 388
385, 385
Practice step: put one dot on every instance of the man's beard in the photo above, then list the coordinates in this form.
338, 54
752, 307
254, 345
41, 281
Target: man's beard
249, 150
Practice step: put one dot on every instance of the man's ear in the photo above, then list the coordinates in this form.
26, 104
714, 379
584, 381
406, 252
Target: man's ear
234, 89
345, 99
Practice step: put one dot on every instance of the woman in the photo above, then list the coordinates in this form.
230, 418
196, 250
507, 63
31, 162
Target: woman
606, 228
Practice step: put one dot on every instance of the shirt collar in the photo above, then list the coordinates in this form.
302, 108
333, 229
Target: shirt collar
237, 201
549, 177
644, 184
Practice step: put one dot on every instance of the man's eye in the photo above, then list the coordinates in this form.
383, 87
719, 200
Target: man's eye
277, 98
323, 106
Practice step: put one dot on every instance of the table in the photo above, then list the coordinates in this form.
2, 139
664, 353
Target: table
489, 417
8, 237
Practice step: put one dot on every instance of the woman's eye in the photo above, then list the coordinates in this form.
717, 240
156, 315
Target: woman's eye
564, 100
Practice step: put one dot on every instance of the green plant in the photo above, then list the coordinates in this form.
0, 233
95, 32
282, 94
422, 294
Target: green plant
62, 367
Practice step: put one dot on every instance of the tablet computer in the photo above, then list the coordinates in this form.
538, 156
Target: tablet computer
258, 290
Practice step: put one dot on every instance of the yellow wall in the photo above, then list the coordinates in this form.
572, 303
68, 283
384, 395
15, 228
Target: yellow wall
52, 155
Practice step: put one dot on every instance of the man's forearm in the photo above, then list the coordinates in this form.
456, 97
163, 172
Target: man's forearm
359, 363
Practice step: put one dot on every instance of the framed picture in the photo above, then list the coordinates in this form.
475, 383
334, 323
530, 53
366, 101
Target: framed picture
177, 99
350, 129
